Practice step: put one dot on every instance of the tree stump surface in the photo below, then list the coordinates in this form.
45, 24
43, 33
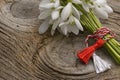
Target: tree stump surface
27, 55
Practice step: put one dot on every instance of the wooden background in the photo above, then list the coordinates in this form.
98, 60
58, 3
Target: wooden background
27, 55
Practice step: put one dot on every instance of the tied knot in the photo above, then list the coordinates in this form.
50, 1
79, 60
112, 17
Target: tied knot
99, 43
99, 34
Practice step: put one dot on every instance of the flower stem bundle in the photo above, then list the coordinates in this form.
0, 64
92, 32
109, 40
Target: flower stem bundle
91, 23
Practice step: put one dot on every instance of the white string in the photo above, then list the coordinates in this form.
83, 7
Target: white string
99, 64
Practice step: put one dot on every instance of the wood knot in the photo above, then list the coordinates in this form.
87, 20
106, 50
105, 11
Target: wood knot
21, 15
25, 9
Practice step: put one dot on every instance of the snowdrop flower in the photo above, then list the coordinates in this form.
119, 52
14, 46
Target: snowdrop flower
102, 9
49, 8
50, 11
72, 25
70, 9
70, 17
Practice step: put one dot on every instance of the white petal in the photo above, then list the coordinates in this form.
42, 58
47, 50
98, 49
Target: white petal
57, 3
70, 28
86, 7
71, 19
101, 13
76, 12
52, 32
43, 2
78, 24
55, 14
76, 1
74, 29
60, 7
55, 24
101, 2
44, 14
66, 11
44, 26
108, 9
47, 6
63, 23
64, 30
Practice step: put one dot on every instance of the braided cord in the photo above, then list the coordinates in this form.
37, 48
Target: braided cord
99, 34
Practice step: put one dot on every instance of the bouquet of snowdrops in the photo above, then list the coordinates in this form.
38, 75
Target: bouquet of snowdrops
72, 16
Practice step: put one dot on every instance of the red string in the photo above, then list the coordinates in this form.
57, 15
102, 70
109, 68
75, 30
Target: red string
86, 54
99, 34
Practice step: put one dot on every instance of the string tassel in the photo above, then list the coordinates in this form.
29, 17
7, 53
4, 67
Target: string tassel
99, 64
87, 53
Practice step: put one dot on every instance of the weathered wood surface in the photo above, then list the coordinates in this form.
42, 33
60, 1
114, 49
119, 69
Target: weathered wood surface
26, 55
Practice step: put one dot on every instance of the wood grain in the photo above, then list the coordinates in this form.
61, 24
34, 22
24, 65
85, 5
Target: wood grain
27, 55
